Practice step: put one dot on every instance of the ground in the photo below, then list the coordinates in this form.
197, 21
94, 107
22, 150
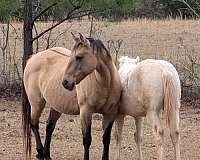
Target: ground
67, 139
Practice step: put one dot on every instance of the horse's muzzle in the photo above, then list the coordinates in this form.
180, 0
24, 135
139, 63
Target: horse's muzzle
68, 84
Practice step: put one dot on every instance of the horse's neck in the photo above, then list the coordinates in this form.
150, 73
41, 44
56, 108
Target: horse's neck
103, 72
95, 89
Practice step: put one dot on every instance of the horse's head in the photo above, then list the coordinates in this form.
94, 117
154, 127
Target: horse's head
127, 60
82, 62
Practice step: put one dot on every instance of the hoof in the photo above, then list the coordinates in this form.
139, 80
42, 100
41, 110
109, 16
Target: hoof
39, 157
47, 158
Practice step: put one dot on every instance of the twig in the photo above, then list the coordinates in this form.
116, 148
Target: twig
48, 38
42, 12
56, 39
4, 46
52, 27
183, 1
15, 31
37, 42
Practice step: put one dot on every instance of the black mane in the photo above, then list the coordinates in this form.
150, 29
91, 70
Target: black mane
98, 44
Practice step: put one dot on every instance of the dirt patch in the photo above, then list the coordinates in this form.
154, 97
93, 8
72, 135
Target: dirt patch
67, 139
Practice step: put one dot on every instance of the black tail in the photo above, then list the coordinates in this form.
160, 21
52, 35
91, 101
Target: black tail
26, 117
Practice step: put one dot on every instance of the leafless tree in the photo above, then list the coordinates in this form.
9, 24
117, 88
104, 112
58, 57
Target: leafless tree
29, 21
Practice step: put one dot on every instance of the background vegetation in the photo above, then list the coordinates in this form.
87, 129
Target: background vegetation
168, 36
114, 9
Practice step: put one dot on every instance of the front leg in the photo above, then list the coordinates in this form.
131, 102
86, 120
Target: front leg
51, 123
86, 121
107, 127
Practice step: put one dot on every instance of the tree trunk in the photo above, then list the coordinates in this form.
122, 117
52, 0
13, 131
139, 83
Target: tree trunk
28, 27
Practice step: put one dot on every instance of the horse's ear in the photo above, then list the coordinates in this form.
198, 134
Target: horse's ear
122, 59
84, 40
76, 39
137, 60
81, 37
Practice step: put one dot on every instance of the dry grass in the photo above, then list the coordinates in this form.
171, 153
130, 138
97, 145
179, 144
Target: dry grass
174, 40
67, 138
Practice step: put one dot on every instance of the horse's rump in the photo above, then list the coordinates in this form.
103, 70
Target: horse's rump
43, 79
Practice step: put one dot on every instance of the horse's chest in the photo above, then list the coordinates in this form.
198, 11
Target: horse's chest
59, 98
95, 100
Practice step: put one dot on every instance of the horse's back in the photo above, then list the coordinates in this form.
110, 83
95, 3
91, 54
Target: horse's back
146, 85
151, 73
45, 59
152, 70
43, 79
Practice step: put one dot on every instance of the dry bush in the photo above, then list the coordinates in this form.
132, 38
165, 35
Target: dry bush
10, 78
174, 40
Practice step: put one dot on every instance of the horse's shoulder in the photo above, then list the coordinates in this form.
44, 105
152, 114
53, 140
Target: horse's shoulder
45, 59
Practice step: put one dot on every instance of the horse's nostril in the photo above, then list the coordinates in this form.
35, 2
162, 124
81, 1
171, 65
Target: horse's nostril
68, 84
73, 84
65, 82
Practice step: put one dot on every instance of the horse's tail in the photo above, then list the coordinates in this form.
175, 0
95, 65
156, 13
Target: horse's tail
171, 99
26, 117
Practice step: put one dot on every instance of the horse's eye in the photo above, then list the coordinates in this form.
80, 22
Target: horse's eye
79, 58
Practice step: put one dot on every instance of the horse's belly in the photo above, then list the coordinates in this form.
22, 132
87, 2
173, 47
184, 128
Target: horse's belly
66, 103
67, 108
131, 106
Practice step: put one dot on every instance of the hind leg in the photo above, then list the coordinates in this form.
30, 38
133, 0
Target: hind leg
36, 110
51, 123
119, 122
175, 135
158, 131
138, 135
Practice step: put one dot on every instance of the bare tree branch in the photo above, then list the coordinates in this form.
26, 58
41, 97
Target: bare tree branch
80, 3
15, 30
85, 14
69, 16
53, 43
48, 38
20, 18
37, 42
185, 2
4, 46
42, 12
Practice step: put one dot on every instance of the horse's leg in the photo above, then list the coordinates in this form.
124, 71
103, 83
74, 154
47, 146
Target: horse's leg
138, 135
175, 135
158, 131
118, 134
86, 121
51, 123
36, 110
107, 127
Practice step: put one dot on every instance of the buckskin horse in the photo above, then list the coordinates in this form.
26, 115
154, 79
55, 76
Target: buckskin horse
82, 81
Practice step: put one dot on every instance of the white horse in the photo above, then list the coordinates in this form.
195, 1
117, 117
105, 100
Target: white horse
148, 87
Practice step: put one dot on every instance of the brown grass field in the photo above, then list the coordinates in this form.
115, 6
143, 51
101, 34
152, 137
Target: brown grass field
67, 138
174, 40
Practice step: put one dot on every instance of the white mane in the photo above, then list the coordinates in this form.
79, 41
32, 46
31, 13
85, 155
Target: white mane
126, 66
128, 60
